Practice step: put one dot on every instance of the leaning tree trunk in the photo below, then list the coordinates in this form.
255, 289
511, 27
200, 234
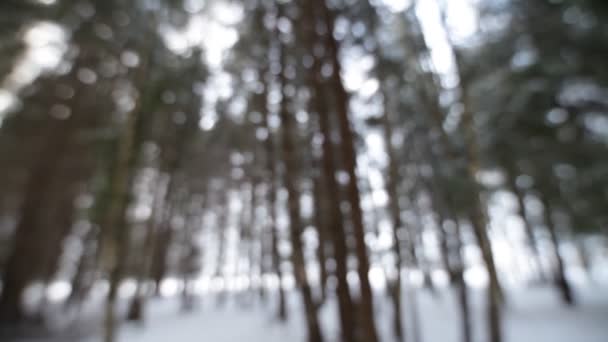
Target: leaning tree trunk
560, 273
477, 212
453, 256
511, 176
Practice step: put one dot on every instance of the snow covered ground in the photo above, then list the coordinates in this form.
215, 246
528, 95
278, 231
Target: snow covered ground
533, 315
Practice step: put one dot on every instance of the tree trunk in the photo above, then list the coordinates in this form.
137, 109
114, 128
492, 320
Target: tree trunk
349, 156
136, 308
479, 221
463, 293
559, 274
115, 227
335, 222
291, 176
18, 271
271, 199
395, 213
222, 235
452, 255
511, 176
320, 221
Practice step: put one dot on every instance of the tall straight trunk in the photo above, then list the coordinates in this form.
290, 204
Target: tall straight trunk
222, 236
254, 233
18, 270
163, 235
189, 253
52, 251
461, 285
271, 199
137, 305
336, 226
395, 213
418, 248
291, 175
335, 223
83, 279
320, 220
115, 230
243, 236
115, 226
350, 162
559, 273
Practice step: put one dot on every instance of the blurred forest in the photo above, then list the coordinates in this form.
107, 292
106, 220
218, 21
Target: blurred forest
350, 152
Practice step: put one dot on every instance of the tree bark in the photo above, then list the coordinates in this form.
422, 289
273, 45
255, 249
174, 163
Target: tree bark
559, 273
395, 213
349, 157
511, 176
18, 272
271, 199
115, 227
335, 224
290, 178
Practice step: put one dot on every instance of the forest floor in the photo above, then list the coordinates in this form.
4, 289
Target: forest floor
532, 315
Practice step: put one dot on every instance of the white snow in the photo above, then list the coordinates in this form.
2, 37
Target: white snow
533, 314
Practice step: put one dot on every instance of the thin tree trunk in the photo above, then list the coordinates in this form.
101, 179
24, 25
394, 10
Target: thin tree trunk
320, 224
115, 227
463, 293
560, 274
521, 211
395, 213
453, 256
222, 235
271, 199
137, 306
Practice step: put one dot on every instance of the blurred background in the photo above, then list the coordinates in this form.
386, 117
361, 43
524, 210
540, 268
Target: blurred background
304, 170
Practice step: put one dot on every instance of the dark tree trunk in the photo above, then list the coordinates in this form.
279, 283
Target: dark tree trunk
271, 198
560, 273
18, 271
335, 224
145, 262
395, 213
296, 229
511, 176
349, 157
479, 222
320, 221
222, 227
291, 176
116, 230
